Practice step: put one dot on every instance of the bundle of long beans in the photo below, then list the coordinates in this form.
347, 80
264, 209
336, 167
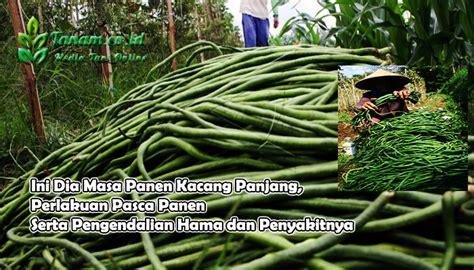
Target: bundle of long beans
364, 117
267, 112
420, 150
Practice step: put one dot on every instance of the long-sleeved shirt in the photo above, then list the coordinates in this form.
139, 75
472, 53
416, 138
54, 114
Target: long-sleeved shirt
258, 8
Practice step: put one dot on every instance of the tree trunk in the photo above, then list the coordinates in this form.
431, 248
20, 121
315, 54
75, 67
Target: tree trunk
40, 17
74, 19
68, 9
208, 7
106, 66
163, 28
171, 30
77, 10
14, 8
218, 6
129, 14
198, 28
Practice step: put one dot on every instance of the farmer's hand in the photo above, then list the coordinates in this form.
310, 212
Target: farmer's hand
368, 105
403, 94
276, 22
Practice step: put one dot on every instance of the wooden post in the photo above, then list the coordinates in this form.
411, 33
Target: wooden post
14, 8
106, 66
171, 30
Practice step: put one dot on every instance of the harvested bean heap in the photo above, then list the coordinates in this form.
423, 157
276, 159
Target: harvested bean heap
267, 112
420, 150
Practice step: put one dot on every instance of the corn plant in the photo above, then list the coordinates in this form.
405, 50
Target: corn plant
420, 32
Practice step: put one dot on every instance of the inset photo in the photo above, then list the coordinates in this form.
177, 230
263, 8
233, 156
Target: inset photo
395, 133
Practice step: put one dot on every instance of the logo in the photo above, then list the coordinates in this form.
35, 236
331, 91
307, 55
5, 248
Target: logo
32, 48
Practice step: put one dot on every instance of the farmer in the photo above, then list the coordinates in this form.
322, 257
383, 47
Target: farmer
255, 21
380, 83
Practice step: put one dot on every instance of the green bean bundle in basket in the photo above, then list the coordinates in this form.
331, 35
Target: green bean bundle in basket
267, 112
420, 150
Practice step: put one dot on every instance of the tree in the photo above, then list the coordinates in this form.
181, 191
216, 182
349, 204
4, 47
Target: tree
208, 8
171, 31
40, 15
218, 9
106, 66
198, 28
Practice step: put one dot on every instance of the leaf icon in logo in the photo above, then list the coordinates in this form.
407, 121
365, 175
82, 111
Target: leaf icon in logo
25, 40
25, 55
40, 40
32, 27
40, 56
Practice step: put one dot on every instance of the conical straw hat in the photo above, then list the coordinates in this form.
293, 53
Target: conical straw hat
391, 79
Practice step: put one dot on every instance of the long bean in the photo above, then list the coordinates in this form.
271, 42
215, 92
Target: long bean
312, 246
450, 232
54, 242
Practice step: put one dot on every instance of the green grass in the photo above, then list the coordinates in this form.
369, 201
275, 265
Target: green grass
345, 117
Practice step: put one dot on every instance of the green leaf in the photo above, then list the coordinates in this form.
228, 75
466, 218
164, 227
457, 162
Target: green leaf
40, 56
40, 40
313, 34
25, 55
287, 26
25, 40
32, 27
441, 9
300, 33
440, 38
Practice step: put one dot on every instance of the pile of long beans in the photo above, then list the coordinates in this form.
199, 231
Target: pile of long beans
420, 150
269, 112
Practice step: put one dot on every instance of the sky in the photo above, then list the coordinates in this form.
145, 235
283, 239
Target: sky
286, 12
350, 71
